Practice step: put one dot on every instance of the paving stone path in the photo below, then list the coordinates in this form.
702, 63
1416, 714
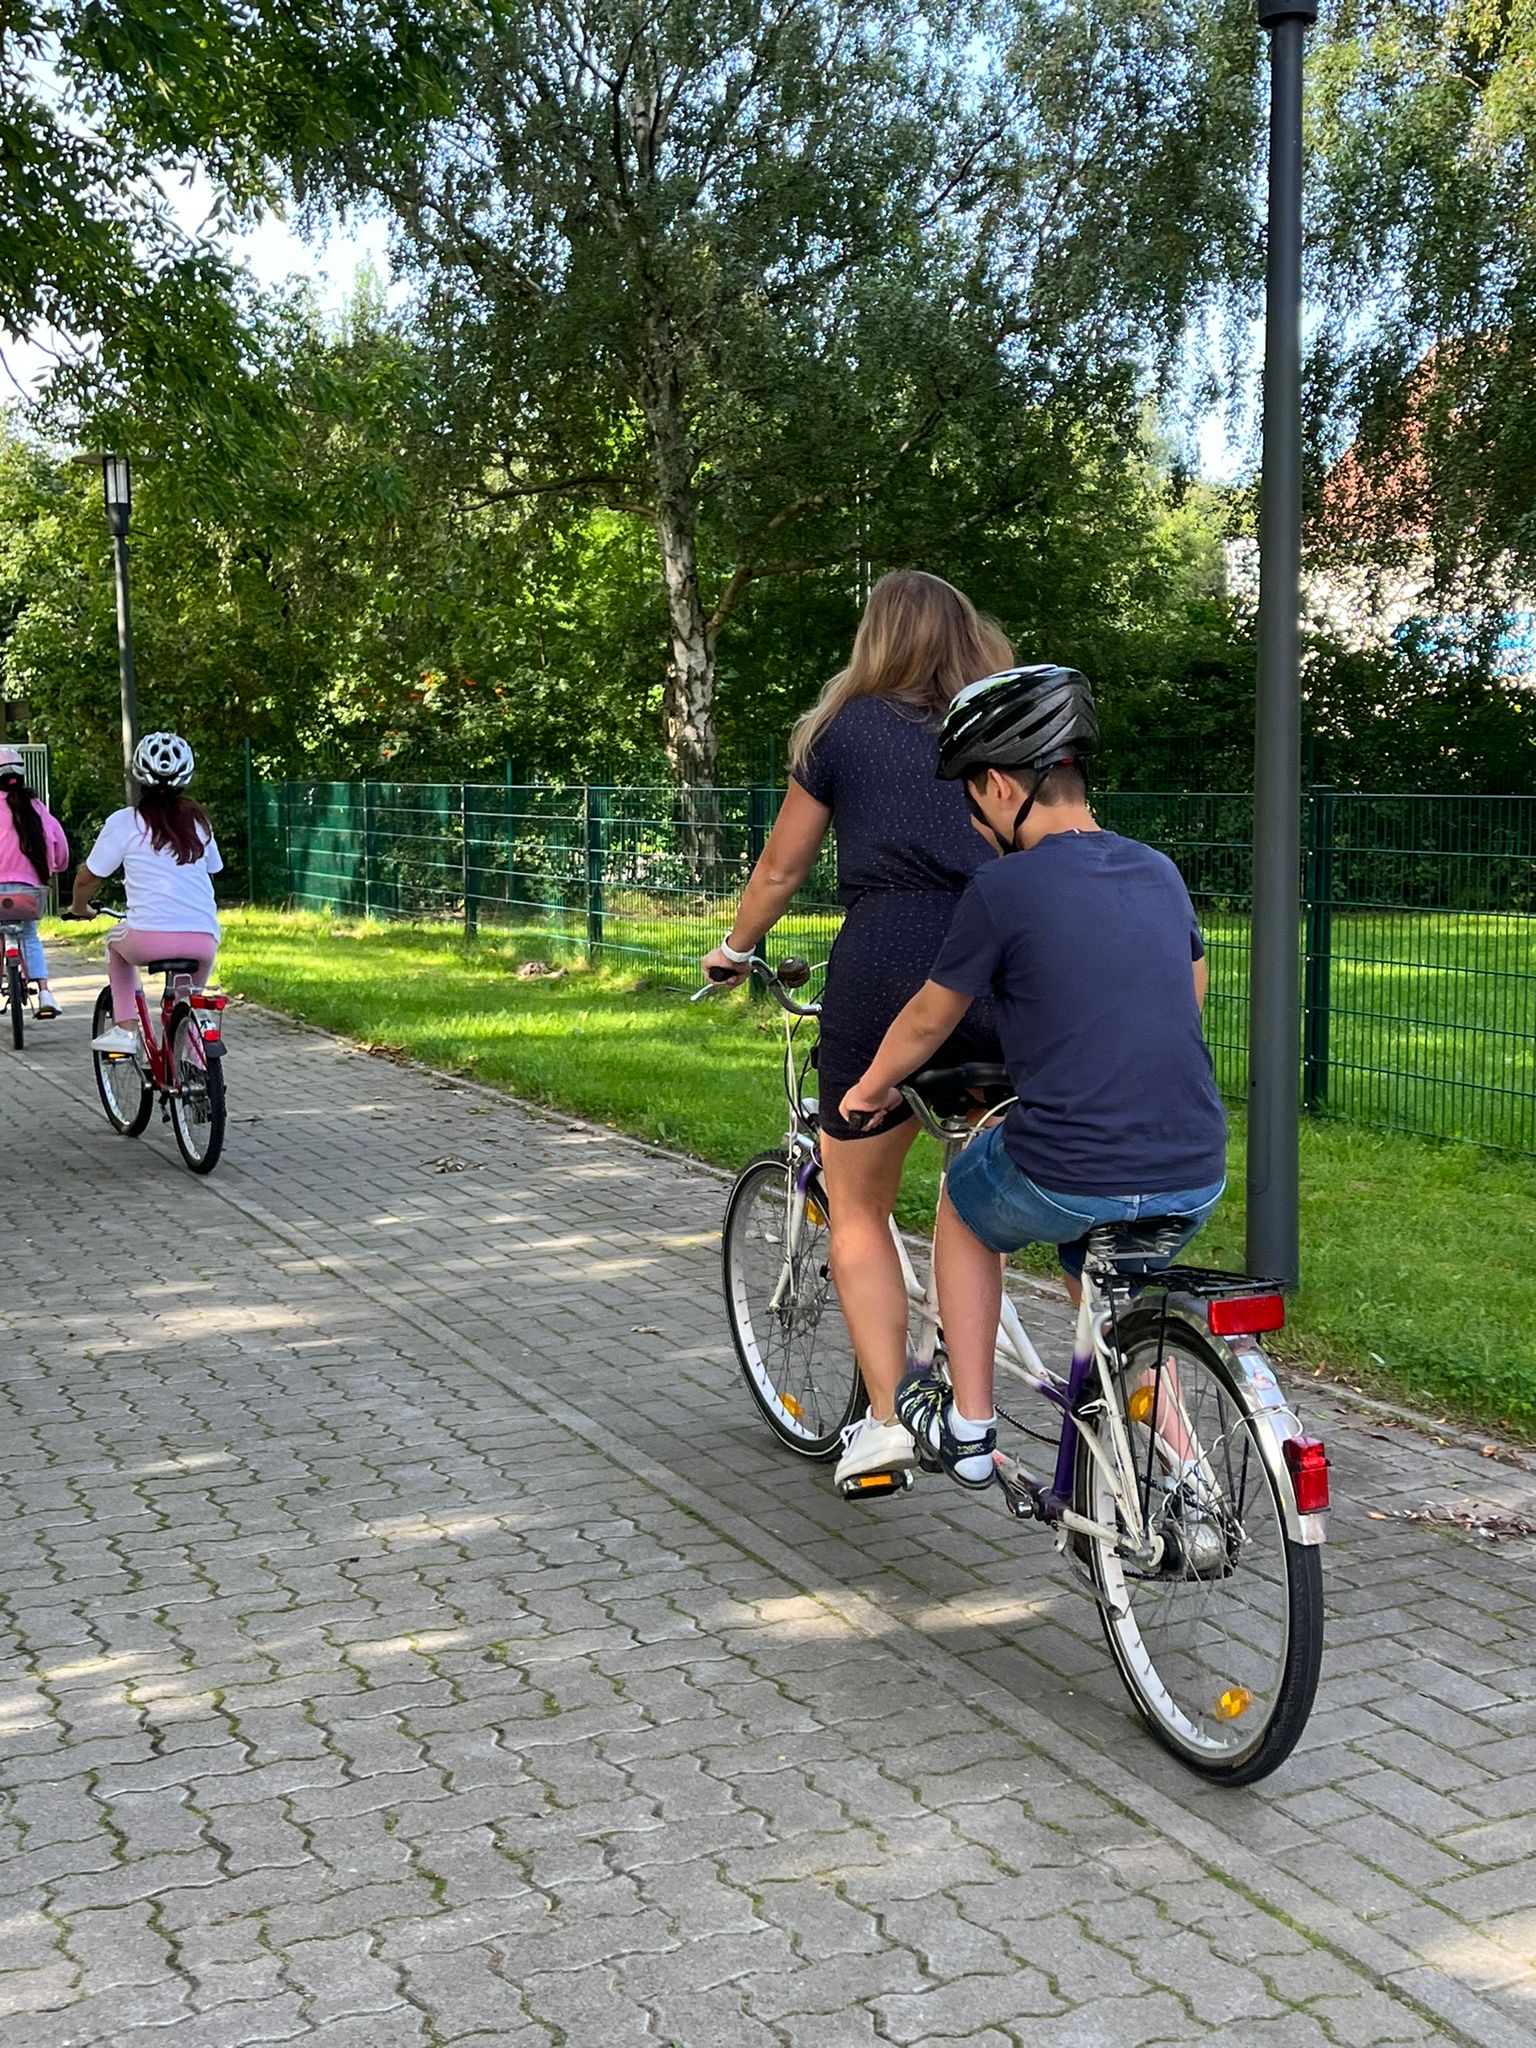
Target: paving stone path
411, 1638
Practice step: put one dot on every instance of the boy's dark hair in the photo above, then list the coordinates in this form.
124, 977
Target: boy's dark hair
1064, 784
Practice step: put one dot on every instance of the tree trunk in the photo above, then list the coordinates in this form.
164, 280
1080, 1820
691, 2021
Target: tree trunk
689, 704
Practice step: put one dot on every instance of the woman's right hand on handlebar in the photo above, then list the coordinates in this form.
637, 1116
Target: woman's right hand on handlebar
722, 972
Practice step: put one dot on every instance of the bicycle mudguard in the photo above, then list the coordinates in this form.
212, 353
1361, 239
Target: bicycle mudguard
1265, 1402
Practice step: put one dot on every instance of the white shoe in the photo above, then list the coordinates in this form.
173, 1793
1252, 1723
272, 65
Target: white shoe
119, 1039
870, 1446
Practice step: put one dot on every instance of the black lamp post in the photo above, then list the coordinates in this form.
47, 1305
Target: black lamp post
1274, 1030
117, 487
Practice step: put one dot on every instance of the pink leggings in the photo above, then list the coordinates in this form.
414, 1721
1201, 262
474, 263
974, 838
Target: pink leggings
128, 951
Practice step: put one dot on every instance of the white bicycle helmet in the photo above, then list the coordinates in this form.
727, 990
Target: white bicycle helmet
163, 758
12, 761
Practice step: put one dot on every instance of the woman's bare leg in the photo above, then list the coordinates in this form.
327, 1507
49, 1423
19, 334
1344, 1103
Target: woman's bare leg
863, 1176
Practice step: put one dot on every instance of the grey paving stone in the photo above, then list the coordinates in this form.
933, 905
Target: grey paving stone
349, 1696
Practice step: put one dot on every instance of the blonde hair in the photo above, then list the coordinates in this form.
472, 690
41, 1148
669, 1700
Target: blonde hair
919, 642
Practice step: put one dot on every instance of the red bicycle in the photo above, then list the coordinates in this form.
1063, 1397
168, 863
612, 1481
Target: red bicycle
183, 1066
17, 905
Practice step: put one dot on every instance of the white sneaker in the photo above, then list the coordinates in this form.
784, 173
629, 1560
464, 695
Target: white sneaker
119, 1039
870, 1446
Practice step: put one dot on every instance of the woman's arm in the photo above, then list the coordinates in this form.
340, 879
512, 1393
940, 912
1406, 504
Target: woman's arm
785, 861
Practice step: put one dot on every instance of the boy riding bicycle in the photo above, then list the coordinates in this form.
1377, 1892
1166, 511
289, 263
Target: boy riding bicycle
1090, 948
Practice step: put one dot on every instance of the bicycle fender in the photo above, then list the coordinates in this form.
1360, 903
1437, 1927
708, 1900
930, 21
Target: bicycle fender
1264, 1401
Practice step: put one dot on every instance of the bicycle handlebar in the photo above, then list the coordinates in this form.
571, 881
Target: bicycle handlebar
719, 976
90, 916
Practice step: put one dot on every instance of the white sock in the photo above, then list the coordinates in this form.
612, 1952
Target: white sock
965, 1431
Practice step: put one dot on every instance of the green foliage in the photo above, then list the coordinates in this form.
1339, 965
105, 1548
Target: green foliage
1423, 140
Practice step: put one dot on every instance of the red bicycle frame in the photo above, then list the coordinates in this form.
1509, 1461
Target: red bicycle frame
209, 1042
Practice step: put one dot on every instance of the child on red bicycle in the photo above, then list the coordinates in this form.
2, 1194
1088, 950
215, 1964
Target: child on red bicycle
1090, 948
165, 846
32, 847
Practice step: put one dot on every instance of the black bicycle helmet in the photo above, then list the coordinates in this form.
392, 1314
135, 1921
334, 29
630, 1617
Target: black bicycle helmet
1023, 718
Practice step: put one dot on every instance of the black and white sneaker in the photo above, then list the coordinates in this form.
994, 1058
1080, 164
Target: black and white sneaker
922, 1402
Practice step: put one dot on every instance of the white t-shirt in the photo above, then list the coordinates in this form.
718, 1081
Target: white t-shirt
163, 896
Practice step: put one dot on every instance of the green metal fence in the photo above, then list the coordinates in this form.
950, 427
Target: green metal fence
1418, 940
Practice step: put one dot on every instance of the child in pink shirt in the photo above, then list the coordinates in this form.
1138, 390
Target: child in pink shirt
32, 847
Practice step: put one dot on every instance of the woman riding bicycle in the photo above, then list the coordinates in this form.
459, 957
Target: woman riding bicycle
32, 847
165, 846
864, 760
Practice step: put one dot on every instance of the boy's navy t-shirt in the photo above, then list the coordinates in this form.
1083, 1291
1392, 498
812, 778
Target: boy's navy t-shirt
1086, 942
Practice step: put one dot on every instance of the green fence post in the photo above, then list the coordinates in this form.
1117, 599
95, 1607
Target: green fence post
471, 880
369, 849
1317, 993
594, 811
287, 810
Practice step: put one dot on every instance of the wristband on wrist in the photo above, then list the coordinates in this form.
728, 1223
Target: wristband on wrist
731, 954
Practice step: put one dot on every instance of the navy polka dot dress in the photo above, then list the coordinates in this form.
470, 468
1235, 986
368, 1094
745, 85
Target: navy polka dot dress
905, 851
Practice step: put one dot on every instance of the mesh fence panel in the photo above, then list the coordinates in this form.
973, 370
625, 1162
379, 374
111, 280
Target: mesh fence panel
1417, 943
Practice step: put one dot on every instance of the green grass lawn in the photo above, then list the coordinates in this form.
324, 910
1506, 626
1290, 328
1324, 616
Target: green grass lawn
1420, 1257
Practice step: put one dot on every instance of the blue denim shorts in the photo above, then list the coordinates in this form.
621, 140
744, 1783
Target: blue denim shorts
1001, 1205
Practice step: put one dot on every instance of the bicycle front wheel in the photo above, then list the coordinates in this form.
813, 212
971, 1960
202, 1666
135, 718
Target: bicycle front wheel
16, 996
1219, 1645
125, 1094
197, 1107
790, 1337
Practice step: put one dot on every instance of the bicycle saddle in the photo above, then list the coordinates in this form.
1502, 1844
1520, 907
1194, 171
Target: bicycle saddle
171, 966
948, 1091
1132, 1247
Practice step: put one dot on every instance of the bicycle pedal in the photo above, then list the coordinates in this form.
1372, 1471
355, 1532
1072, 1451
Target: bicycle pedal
876, 1485
1021, 1498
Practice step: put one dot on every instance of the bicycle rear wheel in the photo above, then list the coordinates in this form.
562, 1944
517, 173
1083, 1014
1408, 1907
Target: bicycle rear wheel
197, 1108
789, 1333
16, 997
125, 1094
1221, 1645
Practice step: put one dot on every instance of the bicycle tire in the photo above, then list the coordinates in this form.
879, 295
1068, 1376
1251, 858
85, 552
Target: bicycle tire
125, 1095
797, 1359
1220, 1654
197, 1107
16, 996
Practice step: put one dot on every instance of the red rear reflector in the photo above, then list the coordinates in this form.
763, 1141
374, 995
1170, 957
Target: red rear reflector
1308, 1462
1241, 1315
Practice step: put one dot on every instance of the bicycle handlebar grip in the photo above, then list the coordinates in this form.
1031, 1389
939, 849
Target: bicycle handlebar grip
860, 1119
722, 973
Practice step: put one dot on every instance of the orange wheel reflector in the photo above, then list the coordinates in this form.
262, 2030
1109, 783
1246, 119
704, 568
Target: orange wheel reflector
1139, 1407
816, 1213
792, 1405
1234, 1703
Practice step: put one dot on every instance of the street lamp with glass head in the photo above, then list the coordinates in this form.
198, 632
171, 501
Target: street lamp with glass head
117, 489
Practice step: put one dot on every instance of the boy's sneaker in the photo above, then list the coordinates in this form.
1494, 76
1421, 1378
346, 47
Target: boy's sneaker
870, 1446
46, 1006
118, 1039
922, 1402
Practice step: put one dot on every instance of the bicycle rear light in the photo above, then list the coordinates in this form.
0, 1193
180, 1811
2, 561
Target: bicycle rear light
1244, 1315
1307, 1459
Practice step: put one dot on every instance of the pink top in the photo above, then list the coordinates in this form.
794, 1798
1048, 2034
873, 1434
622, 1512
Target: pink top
14, 865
